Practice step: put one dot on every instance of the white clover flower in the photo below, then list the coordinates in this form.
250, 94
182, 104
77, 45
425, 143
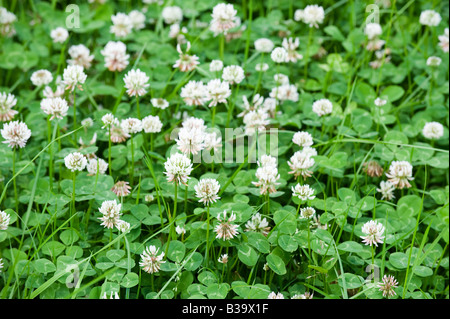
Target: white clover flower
136, 82
257, 103
172, 14
303, 192
226, 230
307, 212
258, 225
373, 30
223, 18
123, 226
180, 230
256, 121
387, 190
75, 161
274, 295
113, 295
137, 19
149, 198
434, 61
116, 57
190, 140
131, 125
302, 139
308, 151
400, 172
211, 141
207, 190
217, 92
373, 231
121, 189
97, 165
74, 76
233, 74
281, 79
55, 107
291, 45
178, 167
194, 93
109, 120
186, 62
306, 295
80, 55
177, 32
152, 124
159, 103
261, 67
313, 15
300, 164
122, 25
88, 122
4, 220
279, 55
387, 286
7, 102
223, 259
444, 41
16, 134
150, 260
41, 77
7, 20
267, 175
111, 212
285, 92
430, 18
264, 45
59, 35
322, 107
433, 130
379, 101
215, 66
194, 123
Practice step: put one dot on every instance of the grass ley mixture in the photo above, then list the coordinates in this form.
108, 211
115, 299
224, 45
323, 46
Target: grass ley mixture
253, 149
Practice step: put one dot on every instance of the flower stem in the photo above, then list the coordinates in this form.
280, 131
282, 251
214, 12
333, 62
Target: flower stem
138, 108
207, 237
74, 115
109, 149
132, 160
172, 226
14, 181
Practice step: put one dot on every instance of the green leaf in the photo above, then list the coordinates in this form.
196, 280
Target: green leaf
334, 32
44, 266
195, 262
409, 206
392, 93
115, 254
130, 280
247, 255
259, 241
286, 221
276, 264
287, 243
423, 271
352, 281
399, 260
217, 291
350, 246
53, 248
69, 236
176, 251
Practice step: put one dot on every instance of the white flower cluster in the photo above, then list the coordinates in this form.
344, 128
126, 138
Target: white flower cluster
223, 18
267, 175
116, 57
7, 102
312, 15
80, 55
6, 23
123, 23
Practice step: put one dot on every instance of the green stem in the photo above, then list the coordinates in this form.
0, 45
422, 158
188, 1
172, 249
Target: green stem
14, 181
132, 160
221, 46
109, 149
172, 226
207, 237
138, 108
74, 115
